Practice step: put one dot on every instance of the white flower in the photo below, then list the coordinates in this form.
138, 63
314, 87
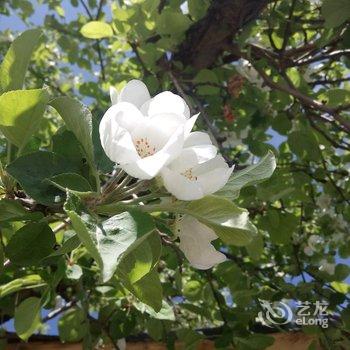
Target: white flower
144, 134
314, 243
338, 238
121, 344
197, 171
195, 243
308, 251
324, 202
340, 223
234, 138
327, 267
245, 69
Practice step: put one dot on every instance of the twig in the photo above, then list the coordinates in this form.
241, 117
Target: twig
306, 100
326, 136
61, 226
287, 29
98, 46
58, 311
200, 108
146, 71
324, 164
215, 294
99, 9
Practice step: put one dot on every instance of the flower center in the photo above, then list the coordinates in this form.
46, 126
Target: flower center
189, 174
143, 147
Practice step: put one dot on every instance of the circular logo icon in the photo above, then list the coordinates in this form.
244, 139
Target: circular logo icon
277, 313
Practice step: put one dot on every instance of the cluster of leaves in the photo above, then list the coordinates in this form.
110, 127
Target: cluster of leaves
116, 269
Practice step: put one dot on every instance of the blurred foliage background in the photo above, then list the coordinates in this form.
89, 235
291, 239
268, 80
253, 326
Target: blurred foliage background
265, 75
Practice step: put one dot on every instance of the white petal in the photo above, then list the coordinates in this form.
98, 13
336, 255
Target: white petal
190, 124
115, 129
191, 157
113, 93
213, 175
149, 167
166, 102
212, 164
214, 180
163, 126
195, 243
123, 114
197, 138
180, 186
117, 143
135, 92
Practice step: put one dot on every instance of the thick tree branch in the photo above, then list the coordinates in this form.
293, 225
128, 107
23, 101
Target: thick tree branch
207, 39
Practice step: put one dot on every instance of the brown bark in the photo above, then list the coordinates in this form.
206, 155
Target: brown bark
285, 341
207, 39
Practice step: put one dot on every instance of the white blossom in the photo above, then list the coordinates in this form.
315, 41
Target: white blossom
197, 171
308, 251
121, 344
245, 69
195, 243
340, 224
338, 238
314, 243
327, 267
143, 134
323, 202
234, 138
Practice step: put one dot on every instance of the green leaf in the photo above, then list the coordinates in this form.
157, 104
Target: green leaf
335, 12
206, 78
141, 257
21, 112
27, 317
304, 144
173, 23
72, 326
256, 247
72, 181
2, 259
30, 281
30, 244
198, 8
15, 64
70, 244
32, 171
96, 30
165, 313
341, 287
78, 119
249, 176
229, 222
106, 241
335, 97
279, 225
10, 210
148, 290
66, 144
